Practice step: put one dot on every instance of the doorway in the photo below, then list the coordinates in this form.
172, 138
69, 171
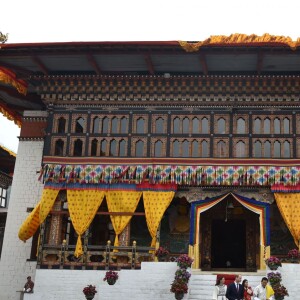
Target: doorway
228, 244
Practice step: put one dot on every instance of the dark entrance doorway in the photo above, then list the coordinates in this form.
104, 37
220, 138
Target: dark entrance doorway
228, 244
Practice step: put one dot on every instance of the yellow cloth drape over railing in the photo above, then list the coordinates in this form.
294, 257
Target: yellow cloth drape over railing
155, 204
289, 207
121, 201
83, 206
38, 215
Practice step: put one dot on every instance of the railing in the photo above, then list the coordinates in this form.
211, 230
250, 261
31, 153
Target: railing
94, 257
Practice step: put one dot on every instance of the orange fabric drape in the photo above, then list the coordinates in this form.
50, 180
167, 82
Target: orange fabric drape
121, 201
83, 206
38, 215
289, 207
155, 204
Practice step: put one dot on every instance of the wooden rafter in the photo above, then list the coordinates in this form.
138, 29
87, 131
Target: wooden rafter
260, 60
203, 62
40, 64
91, 59
149, 64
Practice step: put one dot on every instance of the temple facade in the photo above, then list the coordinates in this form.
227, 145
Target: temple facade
130, 146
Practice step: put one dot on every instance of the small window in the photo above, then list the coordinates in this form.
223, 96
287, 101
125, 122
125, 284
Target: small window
277, 126
158, 149
103, 150
186, 125
267, 126
195, 149
114, 125
96, 125
122, 148
79, 125
3, 193
59, 148
176, 148
204, 125
77, 148
221, 149
257, 149
185, 148
176, 125
240, 149
61, 125
204, 148
159, 125
196, 125
267, 149
221, 126
257, 126
277, 149
105, 125
140, 125
94, 147
124, 125
286, 149
286, 126
139, 149
113, 148
241, 126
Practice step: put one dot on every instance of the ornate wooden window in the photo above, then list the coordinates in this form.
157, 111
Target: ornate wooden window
159, 125
277, 149
221, 149
77, 151
195, 148
186, 125
103, 149
204, 149
240, 149
257, 126
94, 147
176, 125
176, 148
257, 149
221, 123
3, 194
267, 149
114, 125
122, 148
204, 126
158, 148
105, 125
267, 126
286, 126
286, 149
79, 127
140, 125
139, 148
61, 127
185, 148
241, 126
59, 148
96, 125
124, 125
277, 126
196, 125
113, 148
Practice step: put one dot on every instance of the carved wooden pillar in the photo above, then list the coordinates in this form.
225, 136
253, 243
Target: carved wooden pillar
124, 237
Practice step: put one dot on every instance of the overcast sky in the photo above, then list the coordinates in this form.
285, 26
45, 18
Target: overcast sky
136, 20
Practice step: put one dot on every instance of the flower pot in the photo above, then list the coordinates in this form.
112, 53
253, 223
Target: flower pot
111, 281
179, 296
162, 258
89, 297
279, 298
273, 268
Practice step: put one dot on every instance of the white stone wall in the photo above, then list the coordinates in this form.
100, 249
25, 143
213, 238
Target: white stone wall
26, 191
153, 281
291, 279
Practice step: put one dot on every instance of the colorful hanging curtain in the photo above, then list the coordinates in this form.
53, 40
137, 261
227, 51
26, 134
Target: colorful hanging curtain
38, 215
289, 207
155, 204
260, 208
121, 201
83, 206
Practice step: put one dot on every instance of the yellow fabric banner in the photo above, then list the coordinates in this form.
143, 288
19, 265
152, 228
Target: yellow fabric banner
155, 204
270, 291
38, 215
83, 206
121, 201
289, 207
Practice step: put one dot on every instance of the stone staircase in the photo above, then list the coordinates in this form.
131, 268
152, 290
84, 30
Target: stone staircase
201, 284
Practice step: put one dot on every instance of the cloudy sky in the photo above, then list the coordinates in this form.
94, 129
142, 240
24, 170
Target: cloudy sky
136, 20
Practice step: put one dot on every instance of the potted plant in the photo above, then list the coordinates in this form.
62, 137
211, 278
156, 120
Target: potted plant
179, 288
280, 292
183, 275
161, 253
184, 261
89, 292
111, 277
274, 278
294, 255
273, 263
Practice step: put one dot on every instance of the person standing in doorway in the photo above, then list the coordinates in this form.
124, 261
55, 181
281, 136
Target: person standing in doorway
235, 289
263, 291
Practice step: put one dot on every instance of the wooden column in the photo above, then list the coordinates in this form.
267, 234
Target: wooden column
56, 225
